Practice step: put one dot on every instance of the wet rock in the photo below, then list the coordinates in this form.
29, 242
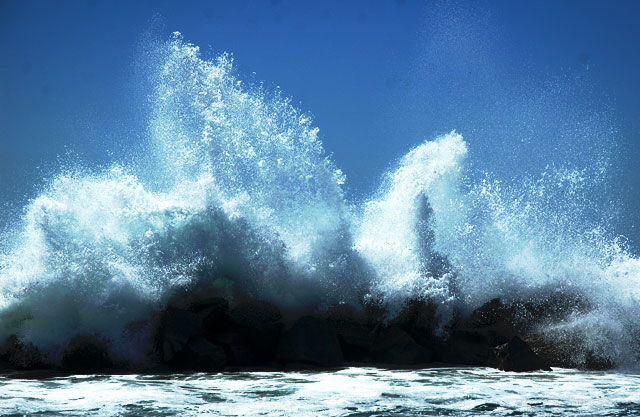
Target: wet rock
493, 314
238, 351
568, 352
472, 339
199, 354
215, 315
495, 323
209, 304
472, 346
552, 352
356, 341
86, 354
395, 346
595, 362
551, 307
22, 356
4, 366
418, 318
259, 324
177, 327
310, 340
517, 356
355, 335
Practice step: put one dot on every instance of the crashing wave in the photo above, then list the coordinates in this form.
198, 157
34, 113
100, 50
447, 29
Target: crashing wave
238, 194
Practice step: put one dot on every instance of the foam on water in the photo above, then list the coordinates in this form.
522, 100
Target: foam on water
236, 191
427, 392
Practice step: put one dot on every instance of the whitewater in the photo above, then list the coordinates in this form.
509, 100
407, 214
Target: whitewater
234, 191
429, 392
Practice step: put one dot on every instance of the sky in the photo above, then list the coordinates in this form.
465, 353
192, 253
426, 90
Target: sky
528, 84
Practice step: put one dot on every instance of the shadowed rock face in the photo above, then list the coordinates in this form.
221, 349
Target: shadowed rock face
198, 354
259, 325
87, 353
204, 332
471, 339
517, 356
395, 346
178, 327
310, 340
18, 356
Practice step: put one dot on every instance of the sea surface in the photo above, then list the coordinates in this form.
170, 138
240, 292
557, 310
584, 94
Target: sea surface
348, 392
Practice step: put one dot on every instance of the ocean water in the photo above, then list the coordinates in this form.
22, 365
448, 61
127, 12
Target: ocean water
348, 392
233, 188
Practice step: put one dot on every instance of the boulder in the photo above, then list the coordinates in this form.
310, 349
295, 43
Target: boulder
238, 351
176, 328
395, 346
567, 352
551, 351
472, 346
4, 366
259, 324
418, 318
86, 354
356, 341
517, 356
21, 356
551, 307
596, 362
472, 339
493, 314
215, 316
355, 335
200, 355
312, 341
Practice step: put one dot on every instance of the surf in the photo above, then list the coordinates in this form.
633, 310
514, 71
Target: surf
235, 192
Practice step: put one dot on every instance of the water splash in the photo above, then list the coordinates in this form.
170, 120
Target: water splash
237, 193
400, 227
262, 155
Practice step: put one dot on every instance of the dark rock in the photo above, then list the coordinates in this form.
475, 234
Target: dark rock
310, 341
199, 354
356, 341
177, 327
517, 356
495, 323
258, 323
418, 318
472, 339
595, 362
568, 351
374, 312
356, 336
86, 354
254, 313
215, 316
551, 307
209, 304
554, 352
473, 346
238, 351
4, 366
246, 335
395, 346
20, 356
493, 314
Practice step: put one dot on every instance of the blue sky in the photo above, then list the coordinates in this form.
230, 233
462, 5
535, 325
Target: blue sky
526, 83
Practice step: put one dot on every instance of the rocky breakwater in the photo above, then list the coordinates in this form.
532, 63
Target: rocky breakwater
203, 332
